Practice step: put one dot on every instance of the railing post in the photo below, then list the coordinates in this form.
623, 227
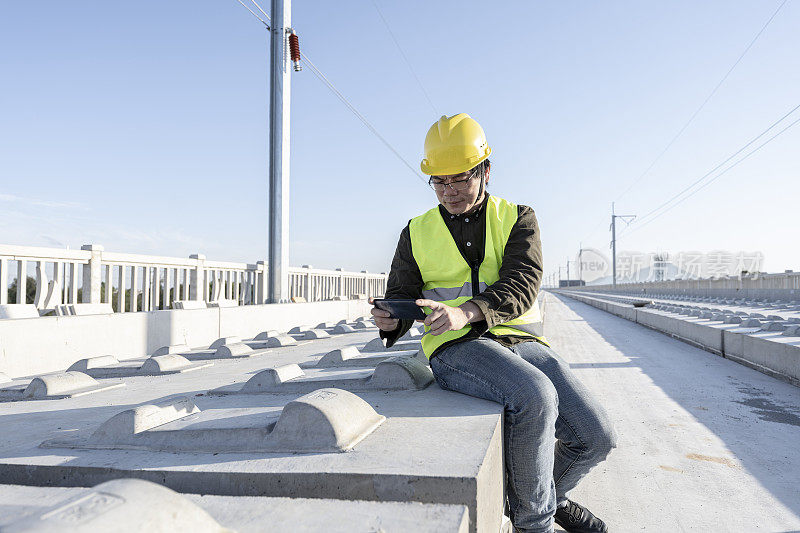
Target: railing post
259, 279
147, 288
121, 290
22, 281
366, 283
3, 281
92, 277
341, 284
307, 284
196, 281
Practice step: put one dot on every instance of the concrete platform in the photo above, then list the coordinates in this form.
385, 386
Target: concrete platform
251, 514
435, 446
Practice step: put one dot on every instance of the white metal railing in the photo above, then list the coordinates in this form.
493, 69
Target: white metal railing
145, 283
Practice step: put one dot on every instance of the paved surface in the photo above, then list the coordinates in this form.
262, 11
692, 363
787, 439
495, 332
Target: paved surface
705, 443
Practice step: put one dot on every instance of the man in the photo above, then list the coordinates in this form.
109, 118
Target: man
475, 263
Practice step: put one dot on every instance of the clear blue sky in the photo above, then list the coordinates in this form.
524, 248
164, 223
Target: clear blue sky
142, 126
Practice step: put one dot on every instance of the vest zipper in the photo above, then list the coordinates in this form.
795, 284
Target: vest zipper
475, 281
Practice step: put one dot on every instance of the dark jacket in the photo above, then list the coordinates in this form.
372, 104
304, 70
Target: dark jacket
505, 299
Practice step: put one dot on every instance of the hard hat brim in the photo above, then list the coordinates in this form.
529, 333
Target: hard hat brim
432, 170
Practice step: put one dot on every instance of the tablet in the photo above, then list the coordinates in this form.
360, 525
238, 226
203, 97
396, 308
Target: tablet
404, 309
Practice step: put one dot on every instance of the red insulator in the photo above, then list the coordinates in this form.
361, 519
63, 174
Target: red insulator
294, 47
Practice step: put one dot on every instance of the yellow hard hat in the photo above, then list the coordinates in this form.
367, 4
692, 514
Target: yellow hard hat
454, 145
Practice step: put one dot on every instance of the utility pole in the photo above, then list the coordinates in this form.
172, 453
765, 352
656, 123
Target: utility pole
559, 275
568, 284
614, 218
580, 263
280, 91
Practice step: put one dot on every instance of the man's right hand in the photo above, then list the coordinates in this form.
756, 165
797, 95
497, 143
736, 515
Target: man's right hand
382, 318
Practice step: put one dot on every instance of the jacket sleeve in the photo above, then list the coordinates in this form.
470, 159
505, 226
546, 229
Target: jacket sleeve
520, 273
405, 282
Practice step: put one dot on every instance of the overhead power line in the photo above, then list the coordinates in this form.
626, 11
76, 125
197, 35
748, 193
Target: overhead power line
318, 73
264, 22
402, 53
358, 115
259, 8
697, 111
709, 173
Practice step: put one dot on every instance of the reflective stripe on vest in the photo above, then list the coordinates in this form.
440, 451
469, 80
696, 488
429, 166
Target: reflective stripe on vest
448, 278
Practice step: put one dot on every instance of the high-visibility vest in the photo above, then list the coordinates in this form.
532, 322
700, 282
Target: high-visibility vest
448, 278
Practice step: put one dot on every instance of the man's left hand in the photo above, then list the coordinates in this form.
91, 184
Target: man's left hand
445, 318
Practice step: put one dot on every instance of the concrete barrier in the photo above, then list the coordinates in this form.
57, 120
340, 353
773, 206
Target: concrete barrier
738, 338
39, 345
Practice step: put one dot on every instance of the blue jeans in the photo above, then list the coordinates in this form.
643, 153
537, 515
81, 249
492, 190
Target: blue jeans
543, 401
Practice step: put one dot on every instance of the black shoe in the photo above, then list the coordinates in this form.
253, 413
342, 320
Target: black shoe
575, 518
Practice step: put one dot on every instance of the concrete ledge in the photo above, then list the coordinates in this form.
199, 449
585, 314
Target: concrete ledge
233, 350
343, 328
158, 365
313, 334
377, 345
121, 505
396, 373
324, 421
351, 356
128, 423
55, 386
169, 364
224, 341
91, 363
279, 341
244, 514
172, 349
